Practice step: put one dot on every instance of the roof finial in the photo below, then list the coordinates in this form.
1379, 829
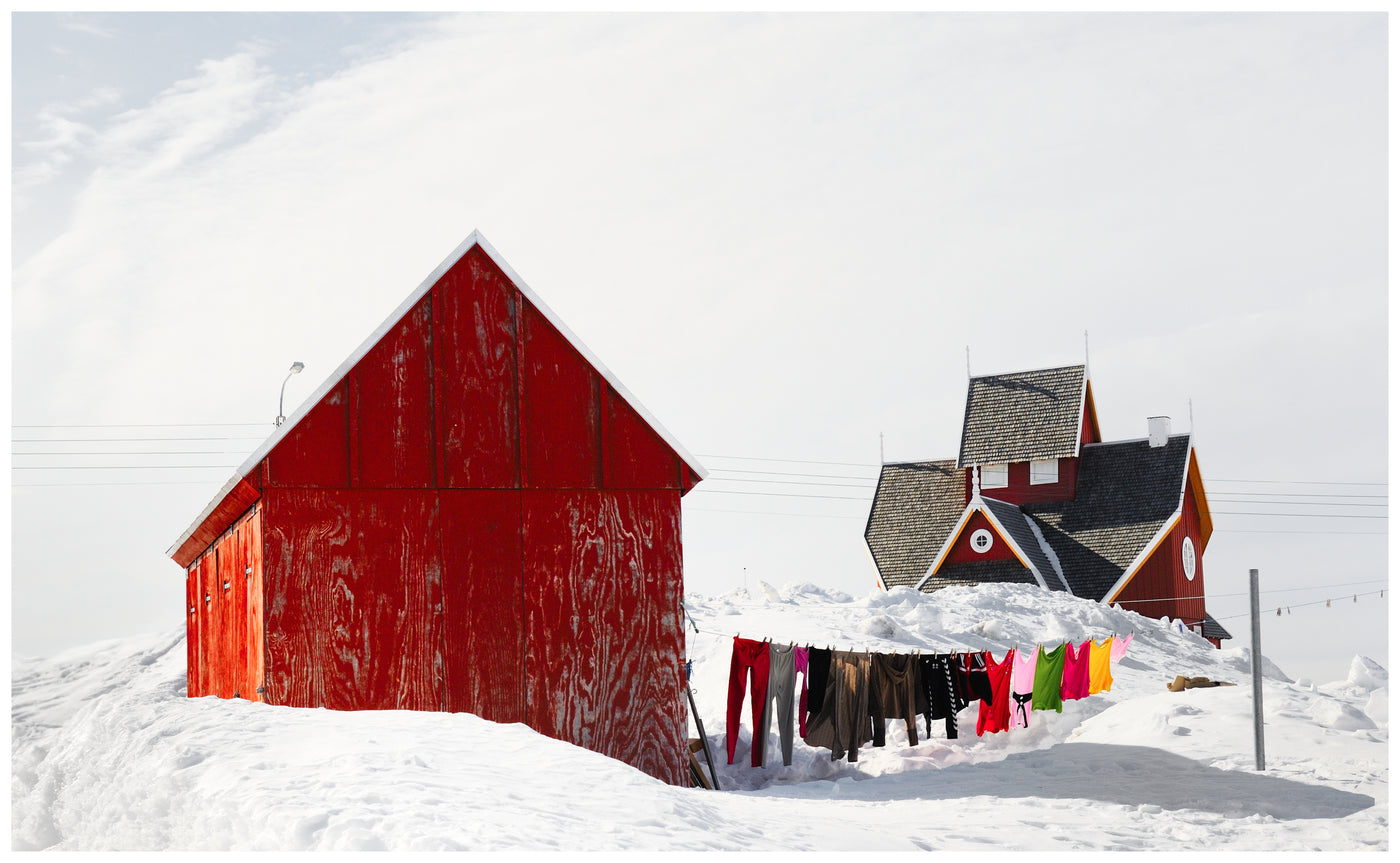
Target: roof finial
1086, 352
882, 448
1190, 417
976, 481
968, 349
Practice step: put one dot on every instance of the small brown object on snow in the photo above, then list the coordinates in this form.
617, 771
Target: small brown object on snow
1181, 683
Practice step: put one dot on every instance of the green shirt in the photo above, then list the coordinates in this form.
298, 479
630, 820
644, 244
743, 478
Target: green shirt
1049, 674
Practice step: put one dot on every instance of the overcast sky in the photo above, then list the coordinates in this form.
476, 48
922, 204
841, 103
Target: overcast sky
784, 233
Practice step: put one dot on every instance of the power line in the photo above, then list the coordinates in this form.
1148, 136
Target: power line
140, 425
128, 467
791, 473
124, 439
1295, 482
1301, 514
144, 452
1289, 607
1298, 502
788, 460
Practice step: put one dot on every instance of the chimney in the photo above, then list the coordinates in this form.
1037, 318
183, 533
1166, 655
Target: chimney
1158, 430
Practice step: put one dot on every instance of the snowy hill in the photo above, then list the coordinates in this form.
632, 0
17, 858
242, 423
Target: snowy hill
107, 753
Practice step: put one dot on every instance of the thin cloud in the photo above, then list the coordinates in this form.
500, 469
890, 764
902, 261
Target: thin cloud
80, 22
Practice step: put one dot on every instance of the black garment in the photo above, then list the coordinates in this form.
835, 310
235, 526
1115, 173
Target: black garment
1023, 700
818, 672
938, 681
972, 680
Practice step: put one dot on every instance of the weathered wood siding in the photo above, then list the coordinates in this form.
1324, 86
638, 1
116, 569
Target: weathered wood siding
604, 643
223, 606
472, 519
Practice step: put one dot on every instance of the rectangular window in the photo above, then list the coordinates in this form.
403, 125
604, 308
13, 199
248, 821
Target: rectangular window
1045, 471
994, 476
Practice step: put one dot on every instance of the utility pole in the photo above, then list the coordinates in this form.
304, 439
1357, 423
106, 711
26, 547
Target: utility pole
1256, 669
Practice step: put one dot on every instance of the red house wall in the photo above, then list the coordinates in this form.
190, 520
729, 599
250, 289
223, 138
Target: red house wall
1160, 586
472, 519
1019, 489
962, 550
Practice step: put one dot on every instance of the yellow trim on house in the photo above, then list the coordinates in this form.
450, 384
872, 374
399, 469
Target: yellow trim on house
1193, 478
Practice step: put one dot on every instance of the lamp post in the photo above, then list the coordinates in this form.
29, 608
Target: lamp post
296, 369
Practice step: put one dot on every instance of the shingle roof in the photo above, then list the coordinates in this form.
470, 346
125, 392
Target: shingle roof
1124, 494
1211, 628
1022, 416
916, 506
1013, 519
980, 572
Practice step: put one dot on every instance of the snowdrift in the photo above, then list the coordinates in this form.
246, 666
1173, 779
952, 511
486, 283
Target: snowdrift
107, 753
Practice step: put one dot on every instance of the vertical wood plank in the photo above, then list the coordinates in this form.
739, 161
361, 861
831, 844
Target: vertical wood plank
315, 453
305, 533
256, 647
635, 455
559, 407
604, 646
483, 627
391, 408
474, 323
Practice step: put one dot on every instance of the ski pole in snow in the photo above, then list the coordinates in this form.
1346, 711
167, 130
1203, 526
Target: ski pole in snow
1256, 671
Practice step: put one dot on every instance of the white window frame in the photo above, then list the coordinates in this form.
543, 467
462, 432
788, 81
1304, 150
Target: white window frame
1045, 471
995, 475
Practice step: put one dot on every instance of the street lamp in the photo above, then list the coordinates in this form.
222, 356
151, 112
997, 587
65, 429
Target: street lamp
296, 369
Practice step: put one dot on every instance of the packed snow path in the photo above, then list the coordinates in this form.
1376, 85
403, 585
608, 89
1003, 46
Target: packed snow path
108, 753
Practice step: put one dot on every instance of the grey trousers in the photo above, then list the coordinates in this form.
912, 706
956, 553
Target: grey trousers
782, 685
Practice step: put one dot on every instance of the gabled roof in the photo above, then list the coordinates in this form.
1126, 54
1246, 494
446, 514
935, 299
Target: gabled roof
1127, 494
1032, 564
475, 240
1022, 416
1211, 628
1026, 539
916, 506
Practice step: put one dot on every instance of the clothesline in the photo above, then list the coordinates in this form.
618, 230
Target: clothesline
847, 696
852, 649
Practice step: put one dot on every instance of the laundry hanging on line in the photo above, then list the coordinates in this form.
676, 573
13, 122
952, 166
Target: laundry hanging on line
846, 697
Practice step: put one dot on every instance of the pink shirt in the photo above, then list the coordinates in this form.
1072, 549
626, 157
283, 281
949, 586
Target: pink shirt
1023, 684
1120, 646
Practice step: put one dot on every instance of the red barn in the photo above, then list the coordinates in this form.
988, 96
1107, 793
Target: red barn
1035, 496
470, 514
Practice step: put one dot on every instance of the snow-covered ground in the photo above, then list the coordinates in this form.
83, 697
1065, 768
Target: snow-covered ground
108, 753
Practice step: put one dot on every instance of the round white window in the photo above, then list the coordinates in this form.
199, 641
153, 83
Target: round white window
981, 540
1188, 558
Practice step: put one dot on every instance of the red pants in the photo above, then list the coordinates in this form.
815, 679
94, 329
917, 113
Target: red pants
751, 657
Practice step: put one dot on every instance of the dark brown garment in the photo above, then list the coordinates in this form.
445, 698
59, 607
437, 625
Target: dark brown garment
893, 684
843, 723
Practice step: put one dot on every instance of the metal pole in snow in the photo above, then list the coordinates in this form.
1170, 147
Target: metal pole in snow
1256, 669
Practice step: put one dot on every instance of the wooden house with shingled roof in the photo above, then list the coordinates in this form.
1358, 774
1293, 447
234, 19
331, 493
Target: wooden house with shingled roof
1035, 496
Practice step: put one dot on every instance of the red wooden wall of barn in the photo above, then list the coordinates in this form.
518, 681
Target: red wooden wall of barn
1160, 587
223, 599
472, 519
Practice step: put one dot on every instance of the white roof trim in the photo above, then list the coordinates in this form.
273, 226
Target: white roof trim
1015, 547
473, 240
1049, 552
972, 506
975, 505
1083, 409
